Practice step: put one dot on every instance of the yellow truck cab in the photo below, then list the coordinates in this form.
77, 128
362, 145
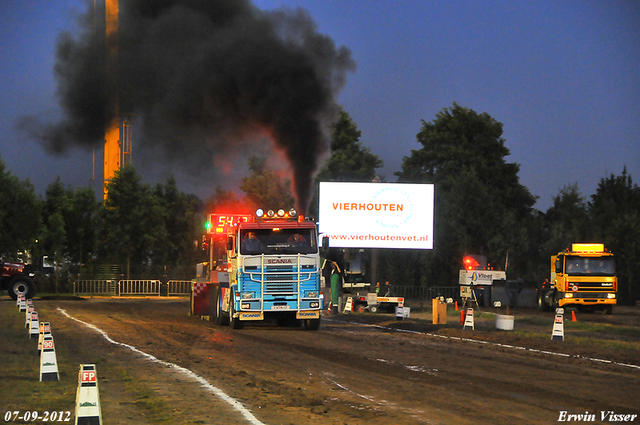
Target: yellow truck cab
584, 277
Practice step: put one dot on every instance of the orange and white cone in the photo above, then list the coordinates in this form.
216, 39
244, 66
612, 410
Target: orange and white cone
573, 316
48, 362
88, 397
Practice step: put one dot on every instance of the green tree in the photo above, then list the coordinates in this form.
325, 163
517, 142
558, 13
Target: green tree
349, 161
226, 201
81, 226
20, 215
132, 221
480, 206
265, 188
615, 213
175, 244
56, 207
567, 220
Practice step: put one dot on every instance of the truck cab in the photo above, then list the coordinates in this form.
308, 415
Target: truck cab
583, 277
273, 270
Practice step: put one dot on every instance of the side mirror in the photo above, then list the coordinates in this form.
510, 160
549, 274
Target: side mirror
229, 243
324, 250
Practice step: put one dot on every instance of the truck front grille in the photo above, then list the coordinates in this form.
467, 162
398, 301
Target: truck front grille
592, 286
282, 279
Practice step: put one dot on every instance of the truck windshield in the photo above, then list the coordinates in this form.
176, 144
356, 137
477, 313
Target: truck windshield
592, 266
278, 241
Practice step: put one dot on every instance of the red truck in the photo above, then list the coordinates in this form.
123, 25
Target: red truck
16, 279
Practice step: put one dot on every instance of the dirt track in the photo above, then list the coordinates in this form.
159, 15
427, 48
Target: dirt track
348, 372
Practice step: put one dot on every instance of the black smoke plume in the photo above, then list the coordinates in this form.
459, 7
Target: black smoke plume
203, 79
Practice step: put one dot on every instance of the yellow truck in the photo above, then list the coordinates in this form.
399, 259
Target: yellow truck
583, 278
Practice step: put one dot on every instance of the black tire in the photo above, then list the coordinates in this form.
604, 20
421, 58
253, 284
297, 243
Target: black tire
373, 309
222, 319
311, 324
234, 322
542, 303
21, 285
555, 300
608, 310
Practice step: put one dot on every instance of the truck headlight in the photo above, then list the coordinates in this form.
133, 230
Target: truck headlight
247, 295
568, 295
611, 296
312, 295
245, 306
314, 305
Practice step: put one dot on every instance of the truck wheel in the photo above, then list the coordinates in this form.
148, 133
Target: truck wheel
21, 285
234, 322
542, 304
608, 310
311, 324
221, 318
373, 309
555, 300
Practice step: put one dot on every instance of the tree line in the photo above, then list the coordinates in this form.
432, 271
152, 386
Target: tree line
480, 208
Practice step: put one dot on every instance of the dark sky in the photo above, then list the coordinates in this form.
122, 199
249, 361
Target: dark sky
563, 78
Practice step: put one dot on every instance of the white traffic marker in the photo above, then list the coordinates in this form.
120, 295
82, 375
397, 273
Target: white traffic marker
48, 362
348, 307
468, 320
27, 316
88, 397
34, 326
558, 325
45, 329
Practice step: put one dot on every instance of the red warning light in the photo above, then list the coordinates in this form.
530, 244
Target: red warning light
474, 262
470, 263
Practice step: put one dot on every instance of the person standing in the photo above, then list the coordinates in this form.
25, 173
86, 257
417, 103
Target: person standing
388, 292
335, 287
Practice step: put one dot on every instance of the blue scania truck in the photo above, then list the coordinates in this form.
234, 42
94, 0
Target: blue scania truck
272, 269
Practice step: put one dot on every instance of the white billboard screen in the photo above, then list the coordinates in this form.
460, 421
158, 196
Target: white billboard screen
377, 215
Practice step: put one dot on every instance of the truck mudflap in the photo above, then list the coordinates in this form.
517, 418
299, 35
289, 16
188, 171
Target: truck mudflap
308, 314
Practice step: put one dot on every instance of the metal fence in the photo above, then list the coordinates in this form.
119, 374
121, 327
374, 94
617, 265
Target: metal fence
100, 287
426, 293
183, 287
179, 287
132, 287
139, 287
